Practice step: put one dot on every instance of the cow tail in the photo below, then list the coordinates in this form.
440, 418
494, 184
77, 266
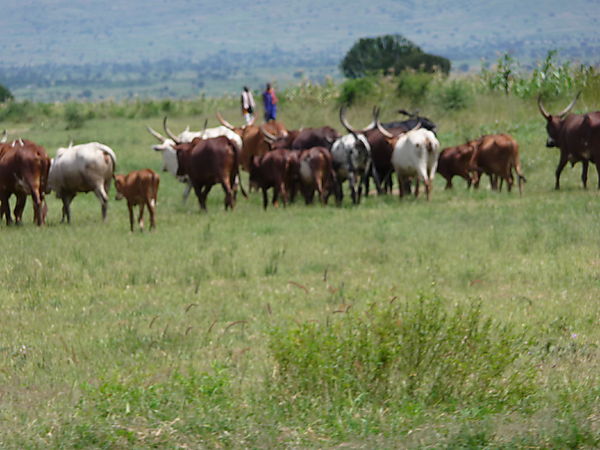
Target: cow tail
237, 169
108, 151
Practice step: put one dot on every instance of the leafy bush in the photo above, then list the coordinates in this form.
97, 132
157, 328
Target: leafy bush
414, 85
354, 90
549, 78
74, 116
418, 351
5, 94
455, 95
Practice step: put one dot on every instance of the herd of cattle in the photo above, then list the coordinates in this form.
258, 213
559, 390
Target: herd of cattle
288, 161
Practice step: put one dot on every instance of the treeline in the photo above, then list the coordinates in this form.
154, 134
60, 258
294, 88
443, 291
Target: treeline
219, 66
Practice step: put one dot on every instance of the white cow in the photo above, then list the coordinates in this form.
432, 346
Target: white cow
415, 154
82, 168
170, 156
352, 157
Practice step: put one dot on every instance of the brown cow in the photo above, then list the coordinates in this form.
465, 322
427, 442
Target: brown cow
272, 170
207, 162
139, 187
24, 168
253, 141
497, 155
456, 161
315, 171
577, 136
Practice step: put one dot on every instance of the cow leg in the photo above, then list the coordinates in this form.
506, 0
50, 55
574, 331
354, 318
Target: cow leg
417, 186
427, 188
141, 217
584, 173
66, 210
352, 183
561, 165
228, 194
275, 197
152, 210
131, 218
284, 194
103, 198
265, 198
19, 207
6, 209
186, 192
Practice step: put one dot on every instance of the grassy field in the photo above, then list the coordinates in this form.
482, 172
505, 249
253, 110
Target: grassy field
256, 329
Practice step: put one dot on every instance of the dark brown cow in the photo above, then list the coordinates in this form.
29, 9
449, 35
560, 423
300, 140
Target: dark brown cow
139, 187
456, 161
253, 141
497, 155
24, 168
272, 170
207, 162
577, 136
303, 139
315, 171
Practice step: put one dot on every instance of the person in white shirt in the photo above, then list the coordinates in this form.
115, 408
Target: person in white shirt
248, 105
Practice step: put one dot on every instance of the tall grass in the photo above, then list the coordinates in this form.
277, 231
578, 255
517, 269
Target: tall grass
306, 326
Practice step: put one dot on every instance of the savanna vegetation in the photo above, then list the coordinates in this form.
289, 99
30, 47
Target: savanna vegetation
467, 321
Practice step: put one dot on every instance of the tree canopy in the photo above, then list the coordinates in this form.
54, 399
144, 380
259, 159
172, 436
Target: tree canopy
389, 52
5, 94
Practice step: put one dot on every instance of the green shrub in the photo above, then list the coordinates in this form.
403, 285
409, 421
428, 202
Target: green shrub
455, 95
419, 351
357, 89
74, 115
414, 85
5, 94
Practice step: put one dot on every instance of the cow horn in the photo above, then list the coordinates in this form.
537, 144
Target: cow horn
406, 113
268, 136
205, 126
345, 123
565, 111
156, 134
542, 109
169, 132
224, 122
382, 130
4, 137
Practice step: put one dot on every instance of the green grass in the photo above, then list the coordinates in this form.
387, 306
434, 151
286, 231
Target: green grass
119, 339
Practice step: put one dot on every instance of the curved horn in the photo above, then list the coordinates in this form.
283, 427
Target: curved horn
406, 113
565, 111
541, 107
268, 136
382, 130
169, 132
4, 137
224, 122
156, 134
345, 123
205, 125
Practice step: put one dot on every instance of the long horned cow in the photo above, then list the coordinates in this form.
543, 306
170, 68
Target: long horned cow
352, 157
576, 135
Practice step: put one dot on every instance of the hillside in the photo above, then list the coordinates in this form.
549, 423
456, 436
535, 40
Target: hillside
115, 45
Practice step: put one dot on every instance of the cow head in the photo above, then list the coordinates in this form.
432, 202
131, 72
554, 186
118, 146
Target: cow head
554, 122
425, 122
392, 138
119, 183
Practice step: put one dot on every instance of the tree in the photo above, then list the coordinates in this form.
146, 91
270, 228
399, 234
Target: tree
387, 53
5, 94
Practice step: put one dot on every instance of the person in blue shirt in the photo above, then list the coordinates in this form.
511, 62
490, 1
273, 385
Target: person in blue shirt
270, 103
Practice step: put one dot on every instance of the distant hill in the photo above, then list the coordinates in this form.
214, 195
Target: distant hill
110, 45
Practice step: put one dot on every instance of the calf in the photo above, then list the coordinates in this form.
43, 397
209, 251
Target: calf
497, 155
272, 171
315, 170
456, 161
139, 187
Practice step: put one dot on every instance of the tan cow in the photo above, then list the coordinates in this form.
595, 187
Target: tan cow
139, 187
